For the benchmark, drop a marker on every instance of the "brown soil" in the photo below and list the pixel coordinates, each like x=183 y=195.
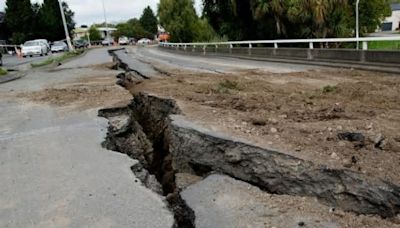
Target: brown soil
x=92 y=92
x=299 y=113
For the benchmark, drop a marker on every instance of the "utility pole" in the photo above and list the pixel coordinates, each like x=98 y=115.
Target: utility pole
x=357 y=23
x=105 y=20
x=71 y=48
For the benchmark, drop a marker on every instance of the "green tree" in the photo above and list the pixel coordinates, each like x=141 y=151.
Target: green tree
x=18 y=19
x=179 y=18
x=293 y=18
x=372 y=13
x=94 y=33
x=149 y=21
x=132 y=28
x=51 y=26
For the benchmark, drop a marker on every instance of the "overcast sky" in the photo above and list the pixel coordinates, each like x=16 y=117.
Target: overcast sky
x=91 y=11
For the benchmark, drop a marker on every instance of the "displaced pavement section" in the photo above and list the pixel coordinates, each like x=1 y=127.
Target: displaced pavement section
x=223 y=202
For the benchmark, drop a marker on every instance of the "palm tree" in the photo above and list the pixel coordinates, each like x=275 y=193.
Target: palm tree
x=277 y=8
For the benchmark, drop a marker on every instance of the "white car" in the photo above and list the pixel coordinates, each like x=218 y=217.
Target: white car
x=45 y=42
x=33 y=47
x=107 y=42
x=59 y=46
x=123 y=40
x=144 y=41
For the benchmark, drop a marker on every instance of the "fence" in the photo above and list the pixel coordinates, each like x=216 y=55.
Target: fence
x=306 y=52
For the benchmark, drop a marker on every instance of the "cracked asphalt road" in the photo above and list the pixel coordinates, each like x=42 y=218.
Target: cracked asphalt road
x=54 y=172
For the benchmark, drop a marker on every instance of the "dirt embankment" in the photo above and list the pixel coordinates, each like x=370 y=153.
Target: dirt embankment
x=300 y=113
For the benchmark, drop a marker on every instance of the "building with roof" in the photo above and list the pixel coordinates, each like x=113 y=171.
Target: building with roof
x=80 y=33
x=392 y=23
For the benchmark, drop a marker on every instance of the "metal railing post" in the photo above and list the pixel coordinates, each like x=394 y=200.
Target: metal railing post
x=250 y=47
x=310 y=50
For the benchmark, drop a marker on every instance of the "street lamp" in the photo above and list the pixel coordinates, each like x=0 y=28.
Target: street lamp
x=105 y=20
x=357 y=23
x=71 y=48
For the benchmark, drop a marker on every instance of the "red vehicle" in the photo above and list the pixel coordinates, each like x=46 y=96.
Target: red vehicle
x=164 y=37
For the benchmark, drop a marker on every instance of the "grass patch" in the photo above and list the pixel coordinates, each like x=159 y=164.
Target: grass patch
x=329 y=89
x=58 y=59
x=3 y=72
x=227 y=85
x=384 y=45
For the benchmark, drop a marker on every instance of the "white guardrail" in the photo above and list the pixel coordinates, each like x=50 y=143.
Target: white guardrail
x=7 y=48
x=250 y=43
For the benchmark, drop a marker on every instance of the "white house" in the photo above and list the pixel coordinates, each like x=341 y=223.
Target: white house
x=392 y=23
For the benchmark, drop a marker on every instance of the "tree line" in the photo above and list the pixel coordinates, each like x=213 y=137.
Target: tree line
x=25 y=21
x=269 y=19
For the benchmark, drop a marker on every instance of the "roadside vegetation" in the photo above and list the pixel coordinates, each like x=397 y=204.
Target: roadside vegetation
x=3 y=72
x=384 y=45
x=59 y=59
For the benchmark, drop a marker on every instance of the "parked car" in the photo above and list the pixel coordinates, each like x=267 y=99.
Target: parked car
x=107 y=42
x=144 y=41
x=123 y=40
x=33 y=47
x=80 y=44
x=46 y=43
x=59 y=46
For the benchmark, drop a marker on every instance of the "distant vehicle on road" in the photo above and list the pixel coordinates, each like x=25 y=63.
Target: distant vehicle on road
x=45 y=42
x=107 y=42
x=33 y=47
x=80 y=44
x=59 y=46
x=132 y=41
x=123 y=40
x=144 y=41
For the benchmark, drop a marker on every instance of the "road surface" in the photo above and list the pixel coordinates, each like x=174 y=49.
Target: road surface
x=54 y=172
x=213 y=64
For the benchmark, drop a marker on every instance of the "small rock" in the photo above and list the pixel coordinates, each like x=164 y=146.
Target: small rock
x=283 y=116
x=277 y=136
x=354 y=160
x=342 y=144
x=334 y=155
x=298 y=149
x=258 y=122
x=270 y=143
x=369 y=126
x=272 y=120
x=380 y=141
x=352 y=137
x=339 y=128
x=347 y=163
x=332 y=209
x=301 y=224
x=274 y=130
x=330 y=129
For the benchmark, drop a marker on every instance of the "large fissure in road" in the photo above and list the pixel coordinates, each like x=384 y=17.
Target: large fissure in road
x=139 y=131
x=152 y=130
